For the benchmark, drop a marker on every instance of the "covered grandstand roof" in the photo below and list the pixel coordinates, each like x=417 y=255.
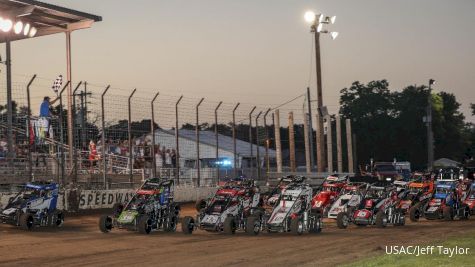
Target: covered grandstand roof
x=243 y=148
x=46 y=18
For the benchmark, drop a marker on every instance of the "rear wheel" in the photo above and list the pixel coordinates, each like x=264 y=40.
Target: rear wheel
x=296 y=226
x=26 y=221
x=188 y=225
x=342 y=220
x=448 y=213
x=415 y=212
x=105 y=223
x=253 y=225
x=381 y=219
x=144 y=225
x=229 y=226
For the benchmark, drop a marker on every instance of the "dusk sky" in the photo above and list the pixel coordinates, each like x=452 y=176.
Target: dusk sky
x=260 y=51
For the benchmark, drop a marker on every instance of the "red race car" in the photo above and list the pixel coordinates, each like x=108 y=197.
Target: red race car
x=331 y=189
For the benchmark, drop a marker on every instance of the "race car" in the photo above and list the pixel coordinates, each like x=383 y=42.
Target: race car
x=292 y=212
x=470 y=200
x=446 y=202
x=227 y=210
x=331 y=188
x=378 y=207
x=151 y=208
x=415 y=199
x=349 y=199
x=34 y=205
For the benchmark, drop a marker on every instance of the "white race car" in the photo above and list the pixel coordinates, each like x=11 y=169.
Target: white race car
x=349 y=199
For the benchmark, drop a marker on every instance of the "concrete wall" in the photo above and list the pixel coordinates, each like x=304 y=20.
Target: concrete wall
x=74 y=200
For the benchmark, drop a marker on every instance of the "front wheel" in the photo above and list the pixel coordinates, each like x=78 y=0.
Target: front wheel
x=253 y=225
x=448 y=213
x=229 y=226
x=342 y=220
x=144 y=225
x=188 y=225
x=465 y=213
x=415 y=212
x=381 y=219
x=58 y=219
x=296 y=226
x=26 y=221
x=105 y=223
x=316 y=226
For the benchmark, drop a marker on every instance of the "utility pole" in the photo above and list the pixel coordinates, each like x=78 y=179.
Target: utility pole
x=292 y=142
x=310 y=128
x=320 y=136
x=430 y=134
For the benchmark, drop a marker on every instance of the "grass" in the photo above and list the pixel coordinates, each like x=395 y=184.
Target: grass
x=434 y=260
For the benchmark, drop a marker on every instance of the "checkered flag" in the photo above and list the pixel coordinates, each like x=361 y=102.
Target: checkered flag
x=57 y=84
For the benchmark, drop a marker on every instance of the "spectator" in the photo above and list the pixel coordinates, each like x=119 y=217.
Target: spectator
x=168 y=159
x=173 y=158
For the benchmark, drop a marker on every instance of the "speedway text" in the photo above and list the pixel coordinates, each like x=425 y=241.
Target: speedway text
x=426 y=250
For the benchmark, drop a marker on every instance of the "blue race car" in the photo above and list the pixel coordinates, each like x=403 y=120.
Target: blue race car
x=34 y=205
x=446 y=203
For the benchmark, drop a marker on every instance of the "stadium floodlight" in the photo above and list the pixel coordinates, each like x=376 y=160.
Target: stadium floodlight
x=26 y=29
x=33 y=32
x=321 y=18
x=18 y=28
x=334 y=35
x=333 y=19
x=6 y=25
x=319 y=27
x=310 y=16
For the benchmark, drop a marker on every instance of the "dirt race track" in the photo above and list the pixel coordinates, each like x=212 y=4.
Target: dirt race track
x=80 y=243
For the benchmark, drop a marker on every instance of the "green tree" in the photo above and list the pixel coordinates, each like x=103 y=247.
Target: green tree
x=371 y=109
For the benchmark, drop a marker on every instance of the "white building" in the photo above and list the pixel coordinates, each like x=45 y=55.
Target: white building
x=188 y=151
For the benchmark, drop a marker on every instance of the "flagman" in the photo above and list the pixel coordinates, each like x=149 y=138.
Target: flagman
x=44 y=108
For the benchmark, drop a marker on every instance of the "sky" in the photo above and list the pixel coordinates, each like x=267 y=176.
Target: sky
x=260 y=51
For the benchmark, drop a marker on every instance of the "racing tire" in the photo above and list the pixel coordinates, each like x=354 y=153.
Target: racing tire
x=253 y=225
x=188 y=225
x=105 y=223
x=316 y=226
x=466 y=213
x=144 y=225
x=58 y=219
x=229 y=225
x=381 y=219
x=415 y=212
x=342 y=220
x=172 y=223
x=26 y=221
x=448 y=213
x=296 y=226
x=200 y=204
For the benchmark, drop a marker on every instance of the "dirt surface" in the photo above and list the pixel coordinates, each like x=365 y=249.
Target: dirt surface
x=80 y=243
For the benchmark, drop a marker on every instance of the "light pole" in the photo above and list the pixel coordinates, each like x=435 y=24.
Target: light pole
x=430 y=134
x=316 y=27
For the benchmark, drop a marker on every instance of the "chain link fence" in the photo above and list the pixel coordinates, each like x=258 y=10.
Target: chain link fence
x=123 y=136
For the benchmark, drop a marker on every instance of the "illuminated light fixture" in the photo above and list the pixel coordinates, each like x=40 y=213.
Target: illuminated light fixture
x=334 y=35
x=6 y=25
x=26 y=30
x=321 y=18
x=18 y=28
x=332 y=20
x=319 y=27
x=32 y=32
x=310 y=16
